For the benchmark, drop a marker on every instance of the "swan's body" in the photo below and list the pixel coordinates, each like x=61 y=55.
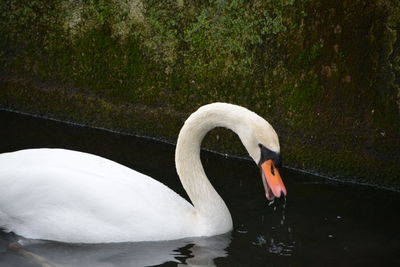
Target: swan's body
x=55 y=194
x=70 y=196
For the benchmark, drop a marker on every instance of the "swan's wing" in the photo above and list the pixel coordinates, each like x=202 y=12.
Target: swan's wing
x=78 y=197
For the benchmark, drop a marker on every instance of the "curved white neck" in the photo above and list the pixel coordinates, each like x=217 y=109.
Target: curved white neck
x=208 y=204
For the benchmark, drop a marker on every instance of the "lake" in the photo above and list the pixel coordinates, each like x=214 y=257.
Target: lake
x=322 y=222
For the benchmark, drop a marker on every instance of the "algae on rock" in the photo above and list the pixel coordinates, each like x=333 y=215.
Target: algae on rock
x=326 y=74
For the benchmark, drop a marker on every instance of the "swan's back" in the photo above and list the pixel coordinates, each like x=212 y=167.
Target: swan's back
x=78 y=197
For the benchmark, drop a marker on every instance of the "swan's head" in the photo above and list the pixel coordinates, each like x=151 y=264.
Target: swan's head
x=262 y=143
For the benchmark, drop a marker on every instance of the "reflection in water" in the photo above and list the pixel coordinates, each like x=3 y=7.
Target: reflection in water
x=192 y=252
x=206 y=250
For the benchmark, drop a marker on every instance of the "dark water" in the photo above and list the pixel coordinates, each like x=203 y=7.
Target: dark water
x=321 y=223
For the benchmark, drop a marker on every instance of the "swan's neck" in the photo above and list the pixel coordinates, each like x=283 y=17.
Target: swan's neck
x=208 y=204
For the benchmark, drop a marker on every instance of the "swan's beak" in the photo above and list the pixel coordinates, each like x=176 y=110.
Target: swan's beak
x=272 y=180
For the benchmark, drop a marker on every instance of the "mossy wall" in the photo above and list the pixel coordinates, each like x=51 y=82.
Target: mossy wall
x=326 y=74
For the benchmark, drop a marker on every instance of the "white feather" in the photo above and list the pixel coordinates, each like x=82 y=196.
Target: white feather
x=70 y=196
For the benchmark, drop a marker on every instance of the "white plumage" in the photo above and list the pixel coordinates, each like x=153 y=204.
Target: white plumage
x=70 y=196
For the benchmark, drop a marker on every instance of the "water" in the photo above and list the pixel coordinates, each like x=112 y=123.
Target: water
x=321 y=223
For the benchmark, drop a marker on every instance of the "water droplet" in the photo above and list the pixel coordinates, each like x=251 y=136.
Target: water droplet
x=242 y=229
x=260 y=240
x=281 y=248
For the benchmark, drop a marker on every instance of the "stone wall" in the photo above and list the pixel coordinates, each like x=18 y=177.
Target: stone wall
x=326 y=74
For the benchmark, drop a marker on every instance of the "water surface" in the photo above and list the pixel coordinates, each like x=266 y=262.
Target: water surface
x=320 y=223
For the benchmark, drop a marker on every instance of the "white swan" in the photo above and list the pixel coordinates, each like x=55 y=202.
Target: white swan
x=70 y=196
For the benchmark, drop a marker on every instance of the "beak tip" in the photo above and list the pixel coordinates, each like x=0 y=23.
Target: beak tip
x=283 y=191
x=279 y=191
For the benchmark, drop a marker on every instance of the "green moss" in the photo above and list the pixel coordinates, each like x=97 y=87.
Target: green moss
x=89 y=110
x=326 y=74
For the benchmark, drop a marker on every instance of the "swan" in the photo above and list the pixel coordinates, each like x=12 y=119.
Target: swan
x=75 y=197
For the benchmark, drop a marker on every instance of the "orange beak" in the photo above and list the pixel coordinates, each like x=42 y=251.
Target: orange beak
x=272 y=180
